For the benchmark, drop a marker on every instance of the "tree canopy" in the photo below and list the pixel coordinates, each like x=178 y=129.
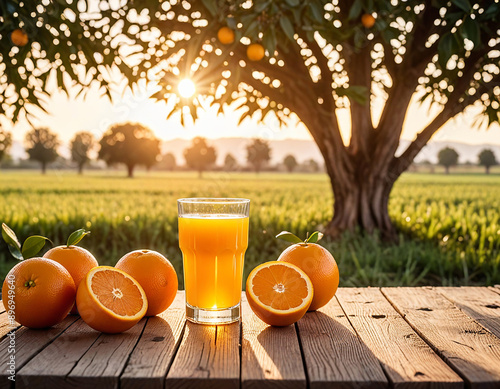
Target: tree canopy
x=131 y=144
x=81 y=145
x=200 y=156
x=41 y=146
x=258 y=154
x=487 y=159
x=5 y=143
x=290 y=163
x=447 y=157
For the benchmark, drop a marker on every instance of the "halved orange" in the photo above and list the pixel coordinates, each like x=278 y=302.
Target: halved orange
x=109 y=300
x=279 y=293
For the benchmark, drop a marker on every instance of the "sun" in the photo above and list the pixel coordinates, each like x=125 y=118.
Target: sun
x=186 y=88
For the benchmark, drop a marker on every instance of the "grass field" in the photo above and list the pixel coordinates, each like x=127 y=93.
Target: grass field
x=450 y=225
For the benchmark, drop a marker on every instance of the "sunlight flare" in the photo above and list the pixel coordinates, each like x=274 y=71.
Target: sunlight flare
x=186 y=88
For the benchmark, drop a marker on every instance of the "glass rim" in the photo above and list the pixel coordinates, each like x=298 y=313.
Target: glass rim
x=213 y=200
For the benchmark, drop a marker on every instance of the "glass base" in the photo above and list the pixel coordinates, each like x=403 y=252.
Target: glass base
x=213 y=316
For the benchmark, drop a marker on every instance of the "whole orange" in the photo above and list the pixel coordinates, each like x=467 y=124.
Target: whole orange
x=40 y=291
x=255 y=52
x=319 y=265
x=225 y=35
x=367 y=20
x=19 y=37
x=76 y=260
x=155 y=274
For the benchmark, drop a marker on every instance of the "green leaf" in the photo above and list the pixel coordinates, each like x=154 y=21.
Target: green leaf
x=269 y=41
x=287 y=27
x=262 y=6
x=462 y=4
x=10 y=237
x=292 y=3
x=471 y=31
x=317 y=12
x=33 y=245
x=355 y=10
x=315 y=236
x=76 y=237
x=289 y=237
x=445 y=48
x=211 y=6
x=357 y=93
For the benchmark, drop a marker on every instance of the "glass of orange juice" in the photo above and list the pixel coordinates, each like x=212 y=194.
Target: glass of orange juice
x=213 y=237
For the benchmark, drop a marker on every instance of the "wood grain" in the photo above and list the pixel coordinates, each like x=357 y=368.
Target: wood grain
x=270 y=356
x=51 y=366
x=468 y=348
x=28 y=343
x=6 y=325
x=208 y=357
x=154 y=353
x=408 y=361
x=104 y=361
x=480 y=303
x=334 y=355
x=2 y=307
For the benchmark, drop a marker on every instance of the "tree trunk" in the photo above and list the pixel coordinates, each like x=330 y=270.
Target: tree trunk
x=200 y=174
x=487 y=169
x=80 y=168
x=130 y=170
x=44 y=167
x=447 y=170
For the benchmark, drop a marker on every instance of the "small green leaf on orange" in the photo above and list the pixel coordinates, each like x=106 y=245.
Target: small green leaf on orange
x=289 y=237
x=76 y=237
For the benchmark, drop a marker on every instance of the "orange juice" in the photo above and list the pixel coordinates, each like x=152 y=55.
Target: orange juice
x=213 y=249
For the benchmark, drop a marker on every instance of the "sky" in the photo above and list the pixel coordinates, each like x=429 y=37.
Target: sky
x=95 y=113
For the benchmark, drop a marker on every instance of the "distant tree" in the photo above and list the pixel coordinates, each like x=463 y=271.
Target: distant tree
x=230 y=163
x=168 y=161
x=290 y=163
x=131 y=144
x=258 y=153
x=41 y=146
x=487 y=159
x=5 y=143
x=81 y=145
x=200 y=156
x=312 y=165
x=447 y=157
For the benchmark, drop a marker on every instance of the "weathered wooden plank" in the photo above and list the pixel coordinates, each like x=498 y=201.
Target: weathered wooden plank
x=495 y=288
x=270 y=356
x=2 y=307
x=207 y=352
x=468 y=348
x=50 y=367
x=154 y=353
x=105 y=360
x=407 y=360
x=28 y=343
x=5 y=324
x=334 y=355
x=480 y=303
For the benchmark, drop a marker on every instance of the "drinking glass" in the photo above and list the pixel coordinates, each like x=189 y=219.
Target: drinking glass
x=213 y=238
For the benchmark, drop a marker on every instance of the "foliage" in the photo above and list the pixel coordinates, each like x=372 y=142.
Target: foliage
x=168 y=161
x=200 y=156
x=131 y=144
x=258 y=153
x=487 y=159
x=290 y=163
x=230 y=163
x=447 y=157
x=81 y=145
x=5 y=143
x=41 y=146
x=449 y=225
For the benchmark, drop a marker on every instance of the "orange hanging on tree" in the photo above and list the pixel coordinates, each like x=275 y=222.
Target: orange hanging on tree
x=368 y=20
x=19 y=37
x=225 y=35
x=255 y=52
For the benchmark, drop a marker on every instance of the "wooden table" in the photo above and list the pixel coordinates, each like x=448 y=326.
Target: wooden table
x=364 y=338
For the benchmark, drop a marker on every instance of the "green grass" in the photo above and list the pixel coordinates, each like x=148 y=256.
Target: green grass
x=450 y=225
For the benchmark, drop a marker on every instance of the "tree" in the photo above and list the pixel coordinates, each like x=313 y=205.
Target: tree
x=81 y=145
x=312 y=165
x=447 y=157
x=168 y=161
x=200 y=156
x=41 y=146
x=230 y=163
x=290 y=163
x=131 y=144
x=487 y=159
x=5 y=143
x=258 y=153
x=319 y=58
